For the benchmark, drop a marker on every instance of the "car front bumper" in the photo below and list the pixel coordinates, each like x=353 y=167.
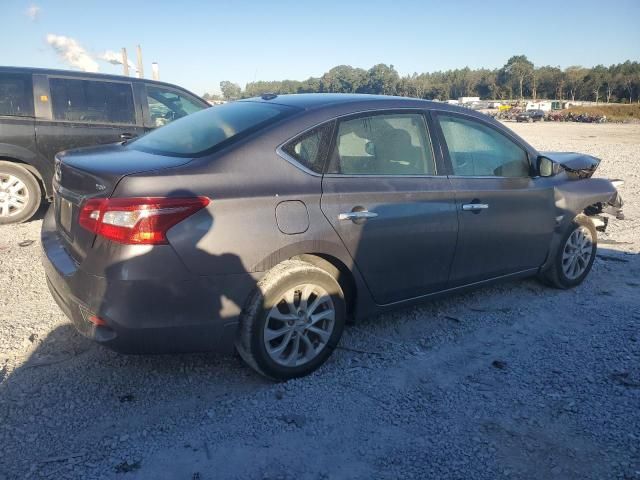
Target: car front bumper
x=145 y=316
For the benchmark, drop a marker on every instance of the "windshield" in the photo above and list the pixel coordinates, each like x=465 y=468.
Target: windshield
x=200 y=132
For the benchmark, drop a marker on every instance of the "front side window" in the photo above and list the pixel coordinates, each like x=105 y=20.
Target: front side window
x=383 y=144
x=92 y=101
x=197 y=134
x=16 y=95
x=478 y=150
x=310 y=148
x=168 y=105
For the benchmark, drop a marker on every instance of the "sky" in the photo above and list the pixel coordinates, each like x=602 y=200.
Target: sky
x=197 y=44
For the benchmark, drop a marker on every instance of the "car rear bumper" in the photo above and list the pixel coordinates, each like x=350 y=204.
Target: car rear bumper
x=146 y=316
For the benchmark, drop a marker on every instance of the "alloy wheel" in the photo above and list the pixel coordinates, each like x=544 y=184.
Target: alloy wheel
x=577 y=253
x=299 y=326
x=14 y=195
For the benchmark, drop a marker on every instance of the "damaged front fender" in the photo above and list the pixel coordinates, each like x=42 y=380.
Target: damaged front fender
x=588 y=196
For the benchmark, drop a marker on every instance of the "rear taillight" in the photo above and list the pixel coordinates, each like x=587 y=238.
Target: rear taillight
x=143 y=220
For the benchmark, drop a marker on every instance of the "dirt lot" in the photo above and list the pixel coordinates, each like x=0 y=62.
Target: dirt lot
x=513 y=381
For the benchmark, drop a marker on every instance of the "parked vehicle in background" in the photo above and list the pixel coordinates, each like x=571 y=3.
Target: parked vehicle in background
x=530 y=116
x=43 y=112
x=265 y=223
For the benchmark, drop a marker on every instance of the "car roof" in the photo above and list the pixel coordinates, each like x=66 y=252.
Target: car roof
x=79 y=73
x=314 y=101
x=309 y=101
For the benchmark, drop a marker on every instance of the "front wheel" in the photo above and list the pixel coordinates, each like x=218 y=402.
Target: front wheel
x=293 y=322
x=575 y=256
x=20 y=193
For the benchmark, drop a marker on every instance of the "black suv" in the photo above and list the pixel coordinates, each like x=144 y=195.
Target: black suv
x=530 y=116
x=43 y=112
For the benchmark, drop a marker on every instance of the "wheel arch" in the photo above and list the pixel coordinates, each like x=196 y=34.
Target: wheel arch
x=339 y=271
x=31 y=167
x=334 y=258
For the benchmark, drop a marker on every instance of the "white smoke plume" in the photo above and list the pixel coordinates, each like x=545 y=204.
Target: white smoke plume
x=115 y=58
x=72 y=52
x=33 y=12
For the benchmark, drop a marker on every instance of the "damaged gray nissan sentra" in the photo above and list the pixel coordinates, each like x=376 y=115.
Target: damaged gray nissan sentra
x=264 y=224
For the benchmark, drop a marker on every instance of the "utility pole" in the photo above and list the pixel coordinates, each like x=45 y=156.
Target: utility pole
x=140 y=71
x=125 y=62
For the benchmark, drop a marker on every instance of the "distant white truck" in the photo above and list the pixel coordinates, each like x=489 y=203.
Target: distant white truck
x=544 y=105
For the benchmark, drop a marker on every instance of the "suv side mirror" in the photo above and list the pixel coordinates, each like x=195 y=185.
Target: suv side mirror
x=547 y=167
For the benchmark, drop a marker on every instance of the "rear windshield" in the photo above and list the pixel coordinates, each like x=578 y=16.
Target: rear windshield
x=201 y=132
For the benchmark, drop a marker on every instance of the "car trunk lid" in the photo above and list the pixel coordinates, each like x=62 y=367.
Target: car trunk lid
x=94 y=173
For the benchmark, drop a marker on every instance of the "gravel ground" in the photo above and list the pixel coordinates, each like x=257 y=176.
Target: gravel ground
x=513 y=381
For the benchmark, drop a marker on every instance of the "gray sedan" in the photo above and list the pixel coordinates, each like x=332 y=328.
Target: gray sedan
x=264 y=225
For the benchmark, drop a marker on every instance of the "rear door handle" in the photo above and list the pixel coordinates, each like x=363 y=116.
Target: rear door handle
x=357 y=215
x=474 y=206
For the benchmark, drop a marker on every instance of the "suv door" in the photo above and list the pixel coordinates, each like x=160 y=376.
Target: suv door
x=17 y=134
x=383 y=196
x=506 y=217
x=165 y=104
x=84 y=112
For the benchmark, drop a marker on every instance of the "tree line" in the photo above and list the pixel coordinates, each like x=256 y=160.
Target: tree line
x=517 y=79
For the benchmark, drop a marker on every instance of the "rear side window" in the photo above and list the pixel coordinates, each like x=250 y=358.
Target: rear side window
x=16 y=95
x=200 y=133
x=384 y=144
x=91 y=101
x=478 y=150
x=311 y=148
x=167 y=105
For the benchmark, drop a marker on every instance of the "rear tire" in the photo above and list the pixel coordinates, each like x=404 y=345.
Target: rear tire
x=293 y=321
x=574 y=258
x=20 y=193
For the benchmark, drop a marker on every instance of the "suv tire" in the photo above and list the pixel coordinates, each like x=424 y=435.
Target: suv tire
x=20 y=193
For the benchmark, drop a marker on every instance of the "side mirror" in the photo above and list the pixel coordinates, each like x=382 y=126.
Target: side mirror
x=547 y=167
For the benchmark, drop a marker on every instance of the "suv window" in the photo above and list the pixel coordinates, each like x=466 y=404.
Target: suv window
x=202 y=132
x=383 y=144
x=16 y=95
x=92 y=101
x=167 y=105
x=310 y=149
x=478 y=150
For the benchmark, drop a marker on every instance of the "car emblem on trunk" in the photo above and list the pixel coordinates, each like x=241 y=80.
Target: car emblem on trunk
x=100 y=187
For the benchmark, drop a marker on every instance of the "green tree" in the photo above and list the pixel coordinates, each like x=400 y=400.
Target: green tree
x=595 y=80
x=230 y=90
x=382 y=79
x=575 y=80
x=344 y=79
x=518 y=68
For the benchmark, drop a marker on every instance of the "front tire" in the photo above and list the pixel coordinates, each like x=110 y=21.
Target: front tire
x=576 y=253
x=293 y=321
x=20 y=193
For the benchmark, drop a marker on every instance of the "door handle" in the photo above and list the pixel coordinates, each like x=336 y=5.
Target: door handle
x=474 y=206
x=357 y=215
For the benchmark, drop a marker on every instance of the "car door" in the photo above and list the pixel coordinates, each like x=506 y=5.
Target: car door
x=505 y=215
x=85 y=112
x=384 y=197
x=165 y=104
x=17 y=134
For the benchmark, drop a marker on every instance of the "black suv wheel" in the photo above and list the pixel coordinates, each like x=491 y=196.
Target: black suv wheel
x=20 y=193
